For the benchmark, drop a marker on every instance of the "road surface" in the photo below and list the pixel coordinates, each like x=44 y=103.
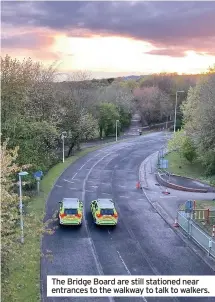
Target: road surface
x=141 y=244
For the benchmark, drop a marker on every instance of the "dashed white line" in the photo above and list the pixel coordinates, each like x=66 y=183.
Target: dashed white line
x=72 y=182
x=74 y=175
x=123 y=262
x=58 y=186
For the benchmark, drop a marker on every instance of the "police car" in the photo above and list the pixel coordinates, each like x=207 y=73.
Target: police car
x=104 y=212
x=70 y=211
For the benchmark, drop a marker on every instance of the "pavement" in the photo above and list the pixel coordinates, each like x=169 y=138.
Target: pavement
x=169 y=203
x=142 y=243
x=187 y=183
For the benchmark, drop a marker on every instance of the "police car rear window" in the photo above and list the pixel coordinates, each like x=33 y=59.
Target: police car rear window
x=107 y=211
x=71 y=211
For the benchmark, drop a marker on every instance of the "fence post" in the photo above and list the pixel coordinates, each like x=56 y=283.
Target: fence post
x=213 y=231
x=208 y=216
x=209 y=246
x=189 y=225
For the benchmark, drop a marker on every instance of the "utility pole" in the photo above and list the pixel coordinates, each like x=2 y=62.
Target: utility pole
x=23 y=173
x=116 y=129
x=63 y=135
x=176 y=102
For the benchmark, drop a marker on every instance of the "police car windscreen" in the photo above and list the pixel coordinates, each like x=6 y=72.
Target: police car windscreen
x=107 y=212
x=71 y=211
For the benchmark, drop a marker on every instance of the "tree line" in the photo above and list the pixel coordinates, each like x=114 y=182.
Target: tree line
x=36 y=109
x=196 y=139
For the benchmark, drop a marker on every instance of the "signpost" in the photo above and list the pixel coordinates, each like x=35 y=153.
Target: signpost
x=163 y=163
x=37 y=176
x=189 y=210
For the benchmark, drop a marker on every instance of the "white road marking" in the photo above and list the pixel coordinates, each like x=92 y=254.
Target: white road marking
x=123 y=262
x=58 y=186
x=74 y=175
x=90 y=191
x=123 y=196
x=73 y=188
x=72 y=182
x=168 y=196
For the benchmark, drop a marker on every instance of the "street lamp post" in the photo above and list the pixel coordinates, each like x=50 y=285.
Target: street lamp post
x=23 y=173
x=116 y=129
x=63 y=135
x=176 y=101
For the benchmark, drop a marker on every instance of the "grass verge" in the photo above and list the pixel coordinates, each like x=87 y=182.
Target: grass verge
x=182 y=167
x=23 y=281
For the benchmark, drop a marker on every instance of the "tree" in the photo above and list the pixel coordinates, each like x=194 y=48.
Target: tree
x=199 y=119
x=188 y=149
x=86 y=128
x=107 y=116
x=153 y=104
x=176 y=143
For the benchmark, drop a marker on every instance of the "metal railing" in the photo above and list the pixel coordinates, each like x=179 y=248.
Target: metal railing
x=193 y=231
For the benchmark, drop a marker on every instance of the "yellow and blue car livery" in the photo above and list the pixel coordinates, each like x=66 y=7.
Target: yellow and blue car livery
x=71 y=211
x=104 y=212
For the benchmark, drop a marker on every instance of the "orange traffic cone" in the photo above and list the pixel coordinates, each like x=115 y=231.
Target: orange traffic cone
x=176 y=225
x=138 y=185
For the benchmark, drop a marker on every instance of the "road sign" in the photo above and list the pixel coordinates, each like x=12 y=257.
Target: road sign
x=63 y=135
x=188 y=206
x=38 y=175
x=163 y=163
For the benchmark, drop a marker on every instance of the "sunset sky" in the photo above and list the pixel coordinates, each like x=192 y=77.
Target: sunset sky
x=112 y=38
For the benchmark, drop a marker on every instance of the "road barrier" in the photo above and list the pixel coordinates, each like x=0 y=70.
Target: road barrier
x=196 y=233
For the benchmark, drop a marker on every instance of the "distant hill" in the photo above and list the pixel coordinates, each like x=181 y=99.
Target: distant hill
x=132 y=77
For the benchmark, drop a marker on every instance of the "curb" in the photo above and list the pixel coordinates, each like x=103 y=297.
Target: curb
x=210 y=188
x=198 y=180
x=177 y=187
x=165 y=216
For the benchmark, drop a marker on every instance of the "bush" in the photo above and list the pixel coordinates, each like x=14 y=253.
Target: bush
x=188 y=150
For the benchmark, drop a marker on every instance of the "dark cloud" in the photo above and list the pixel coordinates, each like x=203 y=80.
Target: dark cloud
x=174 y=27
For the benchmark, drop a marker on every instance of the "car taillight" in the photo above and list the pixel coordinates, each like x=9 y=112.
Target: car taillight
x=62 y=215
x=115 y=215
x=78 y=215
x=98 y=215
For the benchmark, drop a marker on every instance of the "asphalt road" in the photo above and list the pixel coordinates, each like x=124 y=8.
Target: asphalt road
x=141 y=244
